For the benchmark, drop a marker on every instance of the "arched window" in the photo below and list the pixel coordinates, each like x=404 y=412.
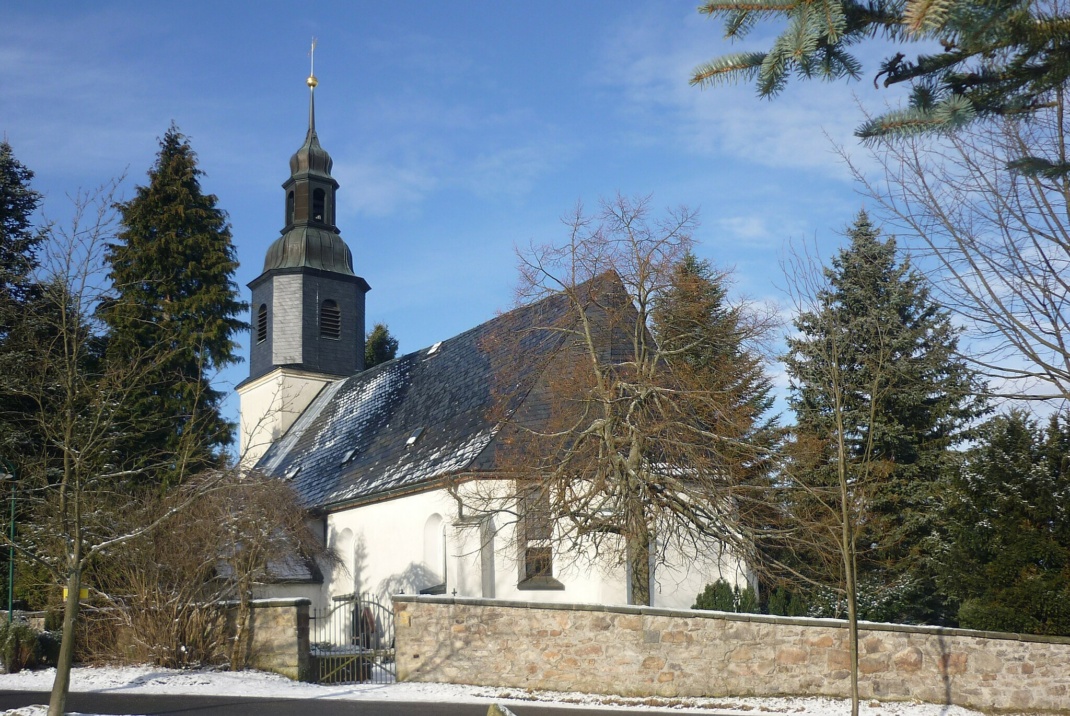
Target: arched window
x=344 y=548
x=434 y=580
x=289 y=208
x=319 y=200
x=330 y=320
x=434 y=546
x=261 y=323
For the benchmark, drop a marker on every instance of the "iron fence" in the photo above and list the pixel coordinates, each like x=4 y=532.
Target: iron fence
x=353 y=641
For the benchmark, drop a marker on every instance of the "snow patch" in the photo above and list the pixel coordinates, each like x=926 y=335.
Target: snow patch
x=152 y=680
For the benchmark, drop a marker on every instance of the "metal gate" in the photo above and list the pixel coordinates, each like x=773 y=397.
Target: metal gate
x=353 y=641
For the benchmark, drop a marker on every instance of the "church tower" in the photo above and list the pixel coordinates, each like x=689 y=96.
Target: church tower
x=307 y=304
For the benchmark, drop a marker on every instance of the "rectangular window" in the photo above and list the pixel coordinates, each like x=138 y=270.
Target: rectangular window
x=535 y=513
x=535 y=527
x=538 y=562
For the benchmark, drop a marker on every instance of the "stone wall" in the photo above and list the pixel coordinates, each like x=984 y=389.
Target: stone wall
x=280 y=640
x=642 y=651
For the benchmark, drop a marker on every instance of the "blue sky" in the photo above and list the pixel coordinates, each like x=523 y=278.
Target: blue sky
x=458 y=131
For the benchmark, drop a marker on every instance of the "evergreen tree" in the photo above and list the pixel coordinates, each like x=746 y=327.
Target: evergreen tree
x=997 y=58
x=18 y=239
x=19 y=242
x=905 y=399
x=379 y=346
x=703 y=335
x=1005 y=555
x=712 y=346
x=174 y=301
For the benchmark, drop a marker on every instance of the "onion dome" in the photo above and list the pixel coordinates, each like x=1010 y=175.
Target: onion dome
x=310 y=247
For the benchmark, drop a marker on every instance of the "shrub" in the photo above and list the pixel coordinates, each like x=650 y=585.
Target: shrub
x=48 y=647
x=22 y=647
x=717 y=596
x=722 y=597
x=785 y=603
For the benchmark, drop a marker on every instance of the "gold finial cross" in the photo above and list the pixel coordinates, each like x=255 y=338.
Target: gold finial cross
x=312 y=82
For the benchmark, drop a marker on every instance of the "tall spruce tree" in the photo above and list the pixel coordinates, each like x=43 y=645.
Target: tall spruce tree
x=19 y=240
x=174 y=301
x=906 y=398
x=703 y=335
x=1004 y=554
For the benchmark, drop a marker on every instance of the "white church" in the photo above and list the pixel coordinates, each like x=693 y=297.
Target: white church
x=372 y=453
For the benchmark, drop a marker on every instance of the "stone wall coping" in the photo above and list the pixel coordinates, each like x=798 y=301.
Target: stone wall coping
x=728 y=616
x=281 y=602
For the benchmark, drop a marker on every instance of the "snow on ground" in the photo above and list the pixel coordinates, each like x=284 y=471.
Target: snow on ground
x=151 y=680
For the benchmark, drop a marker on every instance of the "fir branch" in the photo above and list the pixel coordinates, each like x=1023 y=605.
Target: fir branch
x=921 y=17
x=729 y=68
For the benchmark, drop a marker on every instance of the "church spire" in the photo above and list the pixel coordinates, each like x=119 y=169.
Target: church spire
x=312 y=82
x=310 y=237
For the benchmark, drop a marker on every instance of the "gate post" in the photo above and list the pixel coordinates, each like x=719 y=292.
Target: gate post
x=279 y=636
x=304 y=643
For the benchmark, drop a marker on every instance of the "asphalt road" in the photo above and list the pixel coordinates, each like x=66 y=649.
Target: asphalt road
x=245 y=706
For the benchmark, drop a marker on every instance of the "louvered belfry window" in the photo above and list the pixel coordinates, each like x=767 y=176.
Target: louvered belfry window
x=330 y=320
x=261 y=323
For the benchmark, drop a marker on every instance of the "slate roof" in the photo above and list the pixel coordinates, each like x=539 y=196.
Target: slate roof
x=407 y=424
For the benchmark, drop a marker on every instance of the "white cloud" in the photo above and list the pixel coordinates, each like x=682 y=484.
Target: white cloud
x=746 y=228
x=381 y=188
x=511 y=171
x=649 y=60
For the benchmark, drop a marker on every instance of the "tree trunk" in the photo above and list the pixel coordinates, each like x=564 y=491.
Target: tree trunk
x=57 y=702
x=242 y=625
x=850 y=571
x=639 y=567
x=852 y=620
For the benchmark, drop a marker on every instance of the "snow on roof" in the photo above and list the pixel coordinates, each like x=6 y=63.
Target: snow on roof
x=354 y=442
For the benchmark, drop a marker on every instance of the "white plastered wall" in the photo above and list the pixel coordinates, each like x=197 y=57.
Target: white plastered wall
x=270 y=405
x=392 y=546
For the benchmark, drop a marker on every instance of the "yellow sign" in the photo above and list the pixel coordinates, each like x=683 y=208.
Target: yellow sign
x=83 y=593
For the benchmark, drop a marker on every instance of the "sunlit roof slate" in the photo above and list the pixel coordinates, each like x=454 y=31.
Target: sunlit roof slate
x=353 y=442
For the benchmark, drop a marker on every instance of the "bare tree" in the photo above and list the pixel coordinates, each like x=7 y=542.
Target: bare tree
x=616 y=453
x=77 y=488
x=265 y=536
x=997 y=230
x=831 y=468
x=193 y=606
